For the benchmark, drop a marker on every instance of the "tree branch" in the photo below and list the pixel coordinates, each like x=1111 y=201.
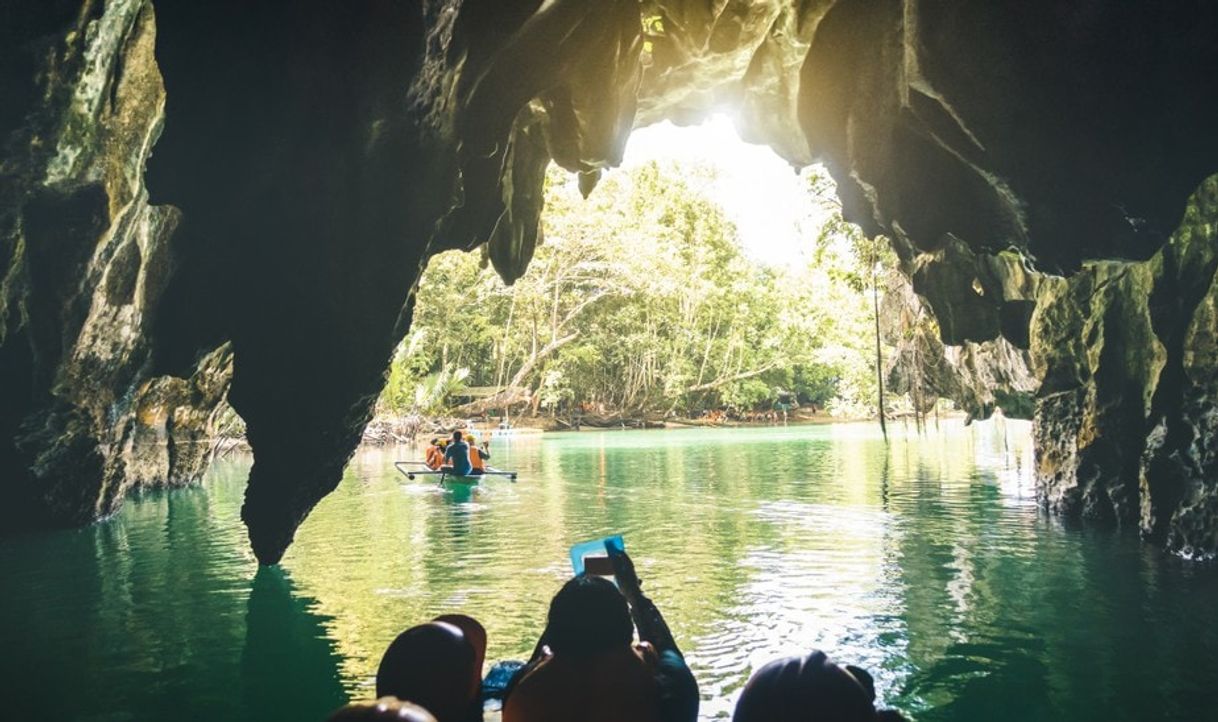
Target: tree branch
x=515 y=392
x=711 y=385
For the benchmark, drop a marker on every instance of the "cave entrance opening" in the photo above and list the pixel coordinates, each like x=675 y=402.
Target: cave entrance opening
x=705 y=280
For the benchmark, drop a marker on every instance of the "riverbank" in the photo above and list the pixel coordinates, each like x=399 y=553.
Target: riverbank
x=410 y=431
x=390 y=430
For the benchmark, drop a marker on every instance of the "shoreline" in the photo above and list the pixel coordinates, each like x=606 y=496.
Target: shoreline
x=385 y=432
x=381 y=431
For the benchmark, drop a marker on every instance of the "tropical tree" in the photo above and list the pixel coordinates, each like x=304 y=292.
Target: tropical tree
x=641 y=301
x=870 y=261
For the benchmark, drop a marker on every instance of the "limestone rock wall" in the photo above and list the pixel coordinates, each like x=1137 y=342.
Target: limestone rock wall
x=1066 y=131
x=978 y=376
x=1125 y=415
x=84 y=260
x=309 y=146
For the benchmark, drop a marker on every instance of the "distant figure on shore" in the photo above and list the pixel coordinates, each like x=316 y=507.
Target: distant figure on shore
x=585 y=666
x=810 y=689
x=435 y=665
x=456 y=456
x=385 y=709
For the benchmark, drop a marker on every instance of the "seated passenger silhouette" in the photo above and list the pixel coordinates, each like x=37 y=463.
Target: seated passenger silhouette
x=456 y=456
x=587 y=668
x=385 y=709
x=810 y=689
x=475 y=634
x=436 y=666
x=434 y=456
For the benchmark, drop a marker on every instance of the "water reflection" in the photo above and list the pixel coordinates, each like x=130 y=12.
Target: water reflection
x=919 y=559
x=288 y=666
x=925 y=559
x=158 y=614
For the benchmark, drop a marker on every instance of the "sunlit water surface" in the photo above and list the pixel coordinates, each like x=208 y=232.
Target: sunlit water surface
x=927 y=562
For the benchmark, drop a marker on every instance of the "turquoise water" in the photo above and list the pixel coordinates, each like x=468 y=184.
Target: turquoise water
x=926 y=561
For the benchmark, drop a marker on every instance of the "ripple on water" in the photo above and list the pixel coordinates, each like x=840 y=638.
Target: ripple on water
x=925 y=560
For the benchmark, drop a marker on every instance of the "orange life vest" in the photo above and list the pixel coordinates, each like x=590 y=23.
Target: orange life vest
x=475 y=459
x=434 y=458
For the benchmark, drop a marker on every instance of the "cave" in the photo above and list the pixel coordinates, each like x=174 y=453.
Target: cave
x=193 y=191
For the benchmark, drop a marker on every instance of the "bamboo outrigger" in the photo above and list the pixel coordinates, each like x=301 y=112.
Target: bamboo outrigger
x=445 y=475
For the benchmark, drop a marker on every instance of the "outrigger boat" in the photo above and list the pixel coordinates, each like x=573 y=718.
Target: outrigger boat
x=447 y=476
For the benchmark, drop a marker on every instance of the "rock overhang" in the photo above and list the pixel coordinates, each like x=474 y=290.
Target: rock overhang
x=319 y=152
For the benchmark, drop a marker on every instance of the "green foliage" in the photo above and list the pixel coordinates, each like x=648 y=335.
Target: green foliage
x=411 y=389
x=641 y=299
x=431 y=393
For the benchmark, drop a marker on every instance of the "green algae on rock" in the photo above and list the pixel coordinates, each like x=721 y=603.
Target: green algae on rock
x=85 y=261
x=1126 y=409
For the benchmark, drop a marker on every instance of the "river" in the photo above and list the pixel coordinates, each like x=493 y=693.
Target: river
x=926 y=561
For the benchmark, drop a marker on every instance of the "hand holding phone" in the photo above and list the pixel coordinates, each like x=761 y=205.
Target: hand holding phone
x=623 y=572
x=593 y=557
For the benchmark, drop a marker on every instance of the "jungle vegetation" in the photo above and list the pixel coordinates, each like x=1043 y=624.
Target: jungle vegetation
x=642 y=301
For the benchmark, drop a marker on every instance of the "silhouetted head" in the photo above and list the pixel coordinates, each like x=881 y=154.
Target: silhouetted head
x=475 y=634
x=385 y=709
x=589 y=616
x=809 y=689
x=456 y=436
x=430 y=665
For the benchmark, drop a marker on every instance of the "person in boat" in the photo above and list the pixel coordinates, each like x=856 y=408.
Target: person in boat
x=477 y=456
x=437 y=666
x=585 y=666
x=795 y=689
x=434 y=457
x=456 y=457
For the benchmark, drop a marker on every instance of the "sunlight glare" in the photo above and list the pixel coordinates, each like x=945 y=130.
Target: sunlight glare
x=775 y=214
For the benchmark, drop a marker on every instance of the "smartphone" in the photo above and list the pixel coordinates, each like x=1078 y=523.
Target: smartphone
x=600 y=566
x=592 y=557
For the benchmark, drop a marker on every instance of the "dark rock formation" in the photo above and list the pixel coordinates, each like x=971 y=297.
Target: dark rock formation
x=979 y=376
x=84 y=261
x=309 y=186
x=1126 y=411
x=318 y=152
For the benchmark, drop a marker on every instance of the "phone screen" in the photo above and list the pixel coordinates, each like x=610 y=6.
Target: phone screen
x=600 y=566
